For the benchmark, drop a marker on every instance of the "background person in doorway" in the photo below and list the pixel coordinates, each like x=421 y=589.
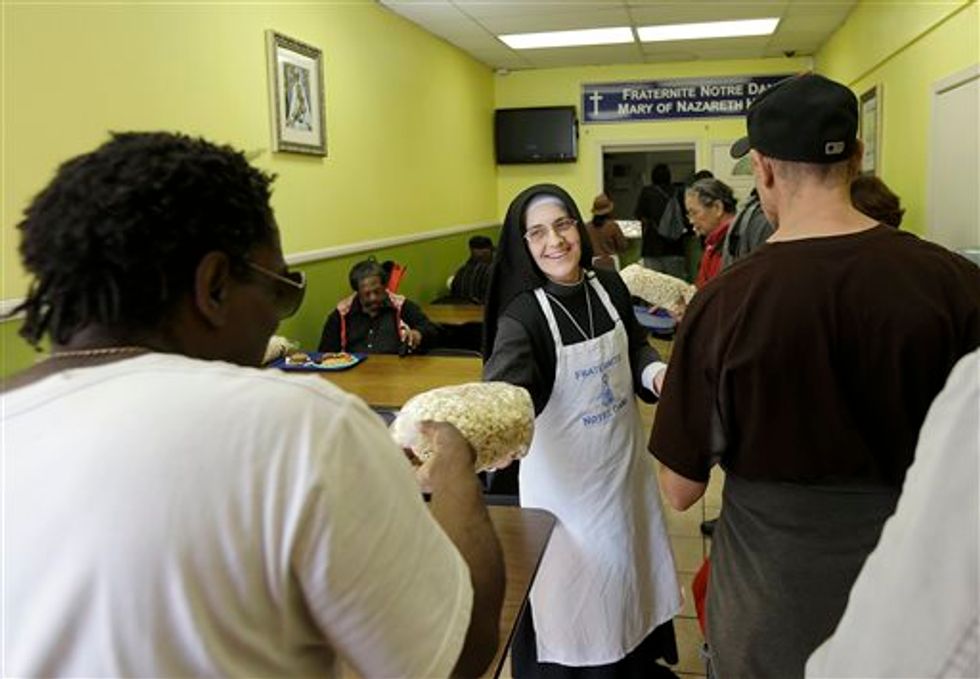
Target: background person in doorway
x=606 y=590
x=608 y=241
x=659 y=253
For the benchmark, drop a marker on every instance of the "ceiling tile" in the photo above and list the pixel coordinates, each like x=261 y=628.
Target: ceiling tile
x=498 y=8
x=470 y=43
x=501 y=58
x=699 y=46
x=838 y=9
x=695 y=12
x=471 y=24
x=814 y=25
x=670 y=55
x=425 y=11
x=583 y=56
x=564 y=21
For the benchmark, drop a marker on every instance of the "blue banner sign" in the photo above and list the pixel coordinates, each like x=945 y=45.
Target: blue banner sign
x=671 y=99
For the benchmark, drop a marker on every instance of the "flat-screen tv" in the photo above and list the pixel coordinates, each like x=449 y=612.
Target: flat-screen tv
x=546 y=134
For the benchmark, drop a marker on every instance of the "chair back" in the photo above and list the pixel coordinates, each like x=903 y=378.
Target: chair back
x=396 y=272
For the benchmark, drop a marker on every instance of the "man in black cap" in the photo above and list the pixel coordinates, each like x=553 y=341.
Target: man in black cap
x=806 y=372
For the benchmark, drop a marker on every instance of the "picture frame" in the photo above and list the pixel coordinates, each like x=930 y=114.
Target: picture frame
x=296 y=95
x=737 y=173
x=869 y=130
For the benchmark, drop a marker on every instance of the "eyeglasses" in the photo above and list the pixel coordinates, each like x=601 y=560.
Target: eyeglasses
x=289 y=289
x=538 y=233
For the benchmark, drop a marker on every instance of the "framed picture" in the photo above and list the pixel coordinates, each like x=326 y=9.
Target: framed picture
x=870 y=130
x=736 y=173
x=295 y=72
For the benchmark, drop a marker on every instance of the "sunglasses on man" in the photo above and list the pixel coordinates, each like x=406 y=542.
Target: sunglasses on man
x=288 y=289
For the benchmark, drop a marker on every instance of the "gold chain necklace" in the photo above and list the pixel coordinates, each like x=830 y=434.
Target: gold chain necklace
x=92 y=353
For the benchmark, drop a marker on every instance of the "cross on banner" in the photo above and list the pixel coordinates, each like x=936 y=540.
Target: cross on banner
x=595 y=98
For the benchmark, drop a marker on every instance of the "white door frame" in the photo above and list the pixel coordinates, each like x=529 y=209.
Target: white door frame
x=643 y=146
x=940 y=87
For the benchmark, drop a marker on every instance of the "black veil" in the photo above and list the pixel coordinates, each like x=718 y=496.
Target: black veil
x=514 y=270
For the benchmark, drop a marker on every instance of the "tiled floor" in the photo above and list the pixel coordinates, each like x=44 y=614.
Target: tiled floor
x=690 y=549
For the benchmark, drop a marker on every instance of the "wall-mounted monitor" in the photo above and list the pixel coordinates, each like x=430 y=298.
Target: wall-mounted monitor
x=536 y=135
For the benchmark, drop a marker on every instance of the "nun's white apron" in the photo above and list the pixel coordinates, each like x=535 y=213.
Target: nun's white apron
x=607 y=577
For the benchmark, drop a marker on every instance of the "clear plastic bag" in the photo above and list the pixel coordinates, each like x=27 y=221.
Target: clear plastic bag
x=658 y=289
x=495 y=417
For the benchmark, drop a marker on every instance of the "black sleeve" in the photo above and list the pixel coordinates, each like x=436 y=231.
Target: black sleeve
x=512 y=361
x=330 y=337
x=641 y=352
x=412 y=314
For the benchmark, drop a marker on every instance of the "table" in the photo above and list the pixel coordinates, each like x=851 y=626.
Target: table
x=388 y=381
x=523 y=533
x=453 y=314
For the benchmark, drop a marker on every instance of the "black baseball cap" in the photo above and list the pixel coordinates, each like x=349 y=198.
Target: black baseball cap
x=807 y=119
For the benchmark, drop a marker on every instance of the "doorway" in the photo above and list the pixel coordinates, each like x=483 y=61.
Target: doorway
x=626 y=170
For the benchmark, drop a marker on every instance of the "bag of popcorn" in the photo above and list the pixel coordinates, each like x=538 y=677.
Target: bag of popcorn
x=657 y=289
x=495 y=417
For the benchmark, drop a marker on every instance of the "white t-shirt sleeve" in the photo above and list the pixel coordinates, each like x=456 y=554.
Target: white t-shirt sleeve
x=382 y=580
x=913 y=609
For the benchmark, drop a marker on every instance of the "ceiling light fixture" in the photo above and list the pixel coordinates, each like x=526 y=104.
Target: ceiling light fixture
x=711 y=29
x=591 y=36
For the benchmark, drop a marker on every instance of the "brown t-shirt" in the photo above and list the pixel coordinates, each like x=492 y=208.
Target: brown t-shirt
x=815 y=361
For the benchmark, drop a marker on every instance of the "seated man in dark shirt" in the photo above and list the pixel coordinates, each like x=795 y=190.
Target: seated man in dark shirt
x=472 y=279
x=374 y=320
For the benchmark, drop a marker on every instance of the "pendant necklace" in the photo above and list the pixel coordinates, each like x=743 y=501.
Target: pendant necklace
x=588 y=306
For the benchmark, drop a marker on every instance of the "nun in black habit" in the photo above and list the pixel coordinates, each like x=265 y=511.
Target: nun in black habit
x=606 y=590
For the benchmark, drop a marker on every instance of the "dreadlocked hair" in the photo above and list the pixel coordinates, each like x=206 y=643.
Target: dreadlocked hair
x=117 y=235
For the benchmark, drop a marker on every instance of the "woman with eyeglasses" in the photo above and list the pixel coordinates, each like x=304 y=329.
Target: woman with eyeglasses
x=710 y=207
x=606 y=589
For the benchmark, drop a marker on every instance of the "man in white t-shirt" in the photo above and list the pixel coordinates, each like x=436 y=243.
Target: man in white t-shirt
x=170 y=512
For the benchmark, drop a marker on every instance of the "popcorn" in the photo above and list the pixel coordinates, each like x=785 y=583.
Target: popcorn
x=495 y=417
x=658 y=289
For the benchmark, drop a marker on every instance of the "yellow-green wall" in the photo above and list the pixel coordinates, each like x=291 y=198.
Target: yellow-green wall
x=409 y=121
x=425 y=279
x=563 y=86
x=905 y=48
